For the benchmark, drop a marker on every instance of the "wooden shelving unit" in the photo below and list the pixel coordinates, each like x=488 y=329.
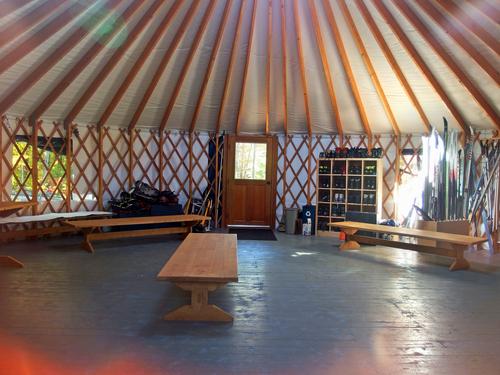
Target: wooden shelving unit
x=352 y=184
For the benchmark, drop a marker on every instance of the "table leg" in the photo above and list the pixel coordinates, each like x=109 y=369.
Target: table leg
x=199 y=309
x=349 y=244
x=10 y=261
x=460 y=263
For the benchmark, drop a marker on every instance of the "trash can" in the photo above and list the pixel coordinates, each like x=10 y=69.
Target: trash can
x=290 y=219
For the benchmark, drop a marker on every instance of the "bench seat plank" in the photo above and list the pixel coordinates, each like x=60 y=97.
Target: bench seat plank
x=449 y=244
x=136 y=221
x=458 y=239
x=201 y=264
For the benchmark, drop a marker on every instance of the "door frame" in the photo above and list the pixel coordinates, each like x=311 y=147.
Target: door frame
x=273 y=171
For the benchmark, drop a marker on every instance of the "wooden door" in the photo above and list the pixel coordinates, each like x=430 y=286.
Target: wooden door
x=250 y=177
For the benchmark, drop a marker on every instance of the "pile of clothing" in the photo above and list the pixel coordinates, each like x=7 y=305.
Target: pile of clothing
x=141 y=197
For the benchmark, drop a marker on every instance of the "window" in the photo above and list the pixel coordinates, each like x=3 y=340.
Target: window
x=250 y=161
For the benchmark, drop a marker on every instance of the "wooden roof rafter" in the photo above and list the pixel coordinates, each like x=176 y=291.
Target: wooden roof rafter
x=245 y=69
x=15 y=28
x=283 y=65
x=164 y=62
x=470 y=23
x=488 y=10
x=392 y=61
x=369 y=66
x=326 y=67
x=193 y=48
x=33 y=41
x=398 y=31
x=456 y=33
x=449 y=60
x=85 y=60
x=231 y=63
x=269 y=62
x=211 y=63
x=25 y=83
x=300 y=53
x=158 y=33
x=347 y=67
x=9 y=6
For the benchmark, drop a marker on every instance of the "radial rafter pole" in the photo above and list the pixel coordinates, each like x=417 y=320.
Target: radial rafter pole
x=392 y=61
x=347 y=68
x=33 y=41
x=86 y=59
x=369 y=66
x=164 y=62
x=9 y=6
x=449 y=60
x=211 y=63
x=25 y=83
x=268 y=66
x=470 y=23
x=192 y=50
x=16 y=27
x=326 y=67
x=230 y=67
x=301 y=66
x=152 y=42
x=283 y=65
x=456 y=33
x=245 y=69
x=398 y=31
x=488 y=10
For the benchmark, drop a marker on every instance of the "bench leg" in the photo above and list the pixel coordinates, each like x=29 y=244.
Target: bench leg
x=460 y=263
x=199 y=309
x=10 y=261
x=86 y=245
x=349 y=244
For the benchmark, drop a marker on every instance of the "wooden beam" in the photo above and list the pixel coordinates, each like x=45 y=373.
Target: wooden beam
x=470 y=23
x=489 y=10
x=152 y=42
x=369 y=66
x=211 y=63
x=164 y=62
x=347 y=67
x=326 y=67
x=283 y=67
x=394 y=64
x=131 y=162
x=269 y=62
x=230 y=67
x=401 y=35
x=69 y=162
x=33 y=41
x=25 y=83
x=10 y=6
x=296 y=16
x=35 y=127
x=449 y=60
x=187 y=63
x=117 y=55
x=457 y=34
x=100 y=168
x=86 y=59
x=18 y=26
x=245 y=71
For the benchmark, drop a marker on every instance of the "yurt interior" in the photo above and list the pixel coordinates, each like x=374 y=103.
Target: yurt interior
x=276 y=187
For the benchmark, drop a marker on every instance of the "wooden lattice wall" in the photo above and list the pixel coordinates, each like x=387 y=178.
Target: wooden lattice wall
x=105 y=161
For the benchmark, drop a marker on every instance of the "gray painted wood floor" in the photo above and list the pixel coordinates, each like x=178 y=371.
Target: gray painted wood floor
x=300 y=307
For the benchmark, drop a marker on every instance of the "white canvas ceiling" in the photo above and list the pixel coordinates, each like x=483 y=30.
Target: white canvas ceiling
x=28 y=80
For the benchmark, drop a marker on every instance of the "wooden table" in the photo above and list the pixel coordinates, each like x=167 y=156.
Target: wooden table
x=201 y=264
x=92 y=228
x=448 y=244
x=7 y=209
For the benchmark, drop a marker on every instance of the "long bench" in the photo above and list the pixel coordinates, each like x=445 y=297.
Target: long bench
x=92 y=229
x=201 y=264
x=448 y=244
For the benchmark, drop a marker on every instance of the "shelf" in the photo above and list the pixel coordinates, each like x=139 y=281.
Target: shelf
x=337 y=202
x=354 y=189
x=337 y=217
x=356 y=204
x=337 y=175
x=370 y=190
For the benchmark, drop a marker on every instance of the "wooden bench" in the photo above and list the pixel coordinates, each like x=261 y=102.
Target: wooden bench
x=201 y=264
x=92 y=228
x=7 y=209
x=448 y=244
